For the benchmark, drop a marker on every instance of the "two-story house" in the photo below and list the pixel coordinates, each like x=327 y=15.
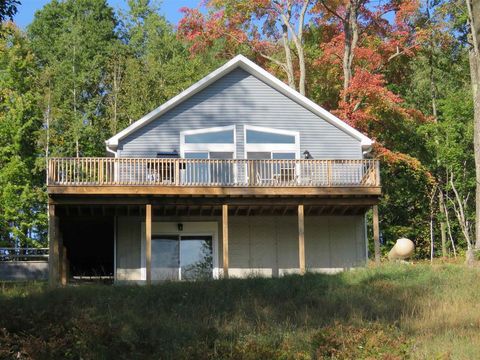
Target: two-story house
x=237 y=175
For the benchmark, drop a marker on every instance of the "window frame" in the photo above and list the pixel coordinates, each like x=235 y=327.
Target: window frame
x=208 y=147
x=272 y=147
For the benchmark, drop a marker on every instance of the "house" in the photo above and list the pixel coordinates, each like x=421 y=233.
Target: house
x=237 y=175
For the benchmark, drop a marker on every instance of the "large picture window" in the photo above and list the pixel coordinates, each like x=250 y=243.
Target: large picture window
x=215 y=137
x=210 y=143
x=208 y=140
x=269 y=143
x=264 y=137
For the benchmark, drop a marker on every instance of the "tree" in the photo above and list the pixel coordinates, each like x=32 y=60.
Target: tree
x=149 y=66
x=457 y=158
x=22 y=197
x=473 y=8
x=264 y=26
x=73 y=41
x=8 y=8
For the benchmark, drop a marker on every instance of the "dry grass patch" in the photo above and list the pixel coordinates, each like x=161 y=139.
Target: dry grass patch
x=391 y=312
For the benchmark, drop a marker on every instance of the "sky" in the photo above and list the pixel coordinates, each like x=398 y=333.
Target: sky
x=170 y=8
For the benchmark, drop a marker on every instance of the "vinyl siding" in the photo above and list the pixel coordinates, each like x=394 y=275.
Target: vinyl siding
x=261 y=245
x=128 y=248
x=239 y=98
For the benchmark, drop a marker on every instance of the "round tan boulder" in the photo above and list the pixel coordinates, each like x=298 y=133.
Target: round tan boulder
x=402 y=249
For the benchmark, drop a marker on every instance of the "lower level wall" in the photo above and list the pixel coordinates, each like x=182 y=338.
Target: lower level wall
x=260 y=245
x=23 y=270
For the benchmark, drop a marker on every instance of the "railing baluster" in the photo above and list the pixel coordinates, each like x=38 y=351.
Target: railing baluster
x=212 y=172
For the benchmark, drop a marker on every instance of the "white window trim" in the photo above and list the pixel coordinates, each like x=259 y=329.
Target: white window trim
x=215 y=147
x=272 y=148
x=203 y=228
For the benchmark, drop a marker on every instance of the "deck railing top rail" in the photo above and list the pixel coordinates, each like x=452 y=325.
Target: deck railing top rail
x=211 y=172
x=23 y=254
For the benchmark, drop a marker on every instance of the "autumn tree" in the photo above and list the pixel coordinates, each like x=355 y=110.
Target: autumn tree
x=271 y=29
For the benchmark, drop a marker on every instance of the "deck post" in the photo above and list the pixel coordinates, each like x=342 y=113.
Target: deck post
x=376 y=234
x=54 y=247
x=301 y=239
x=225 y=239
x=64 y=266
x=148 y=242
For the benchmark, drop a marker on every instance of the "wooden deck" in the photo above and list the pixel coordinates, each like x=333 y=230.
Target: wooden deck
x=148 y=188
x=194 y=177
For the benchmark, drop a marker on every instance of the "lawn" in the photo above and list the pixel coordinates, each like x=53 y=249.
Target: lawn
x=390 y=312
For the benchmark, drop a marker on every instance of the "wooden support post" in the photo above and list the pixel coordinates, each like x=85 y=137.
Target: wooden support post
x=301 y=239
x=64 y=266
x=225 y=240
x=54 y=247
x=376 y=235
x=148 y=242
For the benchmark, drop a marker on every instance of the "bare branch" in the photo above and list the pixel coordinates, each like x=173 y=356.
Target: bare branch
x=301 y=19
x=333 y=12
x=278 y=62
x=459 y=209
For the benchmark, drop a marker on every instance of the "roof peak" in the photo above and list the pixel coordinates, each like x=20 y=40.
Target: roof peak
x=255 y=70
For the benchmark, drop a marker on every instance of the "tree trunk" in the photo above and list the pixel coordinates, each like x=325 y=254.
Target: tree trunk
x=433 y=96
x=447 y=219
x=297 y=40
x=77 y=130
x=288 y=58
x=474 y=20
x=470 y=257
x=350 y=29
x=475 y=76
x=47 y=135
x=300 y=48
x=443 y=226
x=301 y=62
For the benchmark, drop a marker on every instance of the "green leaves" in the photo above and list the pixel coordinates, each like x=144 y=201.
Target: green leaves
x=73 y=41
x=22 y=197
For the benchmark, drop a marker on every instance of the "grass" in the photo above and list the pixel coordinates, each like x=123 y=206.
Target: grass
x=391 y=312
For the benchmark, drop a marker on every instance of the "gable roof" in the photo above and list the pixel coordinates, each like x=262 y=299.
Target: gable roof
x=255 y=70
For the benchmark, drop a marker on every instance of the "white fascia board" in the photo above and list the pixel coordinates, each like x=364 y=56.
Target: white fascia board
x=262 y=74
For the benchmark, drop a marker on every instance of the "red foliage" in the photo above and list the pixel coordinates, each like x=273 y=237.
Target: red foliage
x=387 y=37
x=394 y=157
x=367 y=97
x=201 y=32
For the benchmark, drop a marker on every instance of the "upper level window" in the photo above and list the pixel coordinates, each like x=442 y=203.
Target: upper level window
x=210 y=137
x=264 y=137
x=272 y=143
x=208 y=140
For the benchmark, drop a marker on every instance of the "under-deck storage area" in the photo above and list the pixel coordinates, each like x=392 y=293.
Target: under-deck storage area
x=89 y=244
x=258 y=245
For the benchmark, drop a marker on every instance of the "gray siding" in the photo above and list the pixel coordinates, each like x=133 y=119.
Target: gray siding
x=262 y=245
x=240 y=98
x=128 y=248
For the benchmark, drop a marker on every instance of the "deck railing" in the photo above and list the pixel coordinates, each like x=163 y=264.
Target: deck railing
x=23 y=254
x=212 y=172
